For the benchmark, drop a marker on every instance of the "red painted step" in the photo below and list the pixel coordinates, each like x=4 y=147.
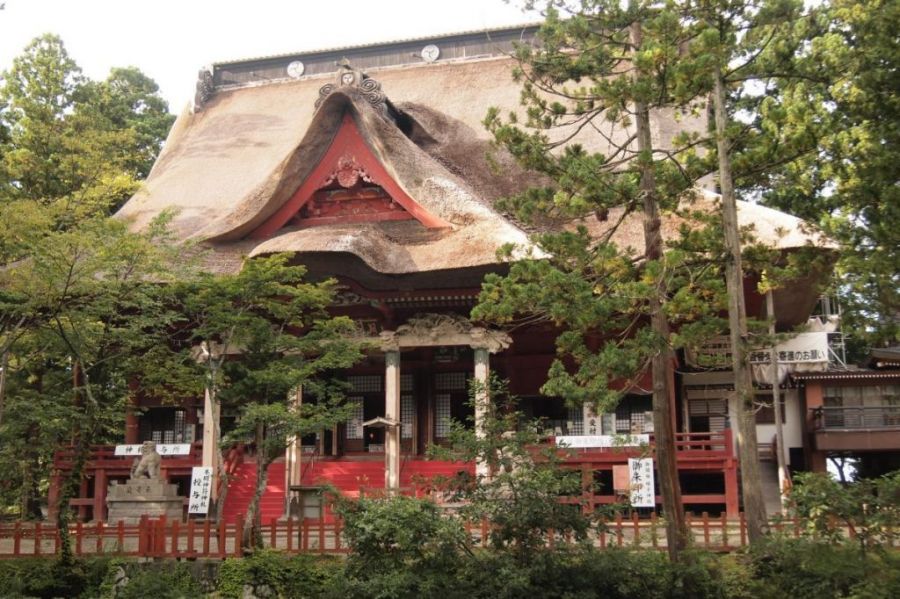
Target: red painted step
x=242 y=486
x=350 y=476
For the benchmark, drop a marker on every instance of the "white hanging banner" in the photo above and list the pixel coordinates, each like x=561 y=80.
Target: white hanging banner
x=601 y=441
x=162 y=449
x=641 y=482
x=201 y=490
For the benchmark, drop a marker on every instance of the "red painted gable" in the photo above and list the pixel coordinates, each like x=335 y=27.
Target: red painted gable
x=348 y=185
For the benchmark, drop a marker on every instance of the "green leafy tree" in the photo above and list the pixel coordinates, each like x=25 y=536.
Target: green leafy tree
x=868 y=508
x=72 y=141
x=97 y=319
x=734 y=36
x=264 y=333
x=402 y=547
x=522 y=497
x=840 y=117
x=81 y=298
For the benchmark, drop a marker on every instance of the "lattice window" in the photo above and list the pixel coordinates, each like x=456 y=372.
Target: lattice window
x=407 y=415
x=576 y=421
x=368 y=383
x=406 y=383
x=637 y=422
x=450 y=381
x=355 y=422
x=441 y=415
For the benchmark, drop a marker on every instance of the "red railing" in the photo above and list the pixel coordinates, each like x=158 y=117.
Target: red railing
x=204 y=538
x=103 y=464
x=715 y=445
x=697 y=453
x=104 y=457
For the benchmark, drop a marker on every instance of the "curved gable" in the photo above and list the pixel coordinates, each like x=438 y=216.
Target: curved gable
x=349 y=184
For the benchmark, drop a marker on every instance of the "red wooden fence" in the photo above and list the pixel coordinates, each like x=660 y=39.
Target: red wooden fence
x=203 y=538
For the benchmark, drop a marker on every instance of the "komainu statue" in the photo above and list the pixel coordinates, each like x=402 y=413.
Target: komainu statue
x=148 y=465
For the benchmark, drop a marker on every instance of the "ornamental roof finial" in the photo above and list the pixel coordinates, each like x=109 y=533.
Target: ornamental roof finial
x=347 y=77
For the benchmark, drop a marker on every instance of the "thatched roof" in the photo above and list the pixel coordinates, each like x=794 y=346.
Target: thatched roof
x=763 y=225
x=228 y=167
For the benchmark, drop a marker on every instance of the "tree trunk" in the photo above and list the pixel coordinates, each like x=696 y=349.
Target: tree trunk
x=253 y=529
x=4 y=365
x=670 y=488
x=82 y=438
x=742 y=405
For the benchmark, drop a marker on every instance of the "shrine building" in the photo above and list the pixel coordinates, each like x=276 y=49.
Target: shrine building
x=368 y=165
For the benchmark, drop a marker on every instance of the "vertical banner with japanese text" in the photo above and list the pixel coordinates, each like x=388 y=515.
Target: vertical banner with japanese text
x=641 y=487
x=201 y=490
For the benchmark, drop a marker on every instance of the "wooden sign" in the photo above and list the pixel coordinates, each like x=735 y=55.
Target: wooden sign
x=641 y=482
x=201 y=490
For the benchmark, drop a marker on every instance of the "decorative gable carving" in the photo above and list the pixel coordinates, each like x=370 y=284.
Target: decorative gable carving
x=347 y=173
x=349 y=194
x=346 y=77
x=348 y=185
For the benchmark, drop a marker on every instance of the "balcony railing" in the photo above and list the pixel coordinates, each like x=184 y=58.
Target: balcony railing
x=856 y=418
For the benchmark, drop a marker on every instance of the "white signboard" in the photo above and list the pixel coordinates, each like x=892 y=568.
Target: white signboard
x=801 y=349
x=587 y=441
x=161 y=449
x=201 y=490
x=641 y=483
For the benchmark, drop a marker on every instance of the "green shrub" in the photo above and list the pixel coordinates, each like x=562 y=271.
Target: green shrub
x=49 y=578
x=810 y=569
x=284 y=575
x=159 y=580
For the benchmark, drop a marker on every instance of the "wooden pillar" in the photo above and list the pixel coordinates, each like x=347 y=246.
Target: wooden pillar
x=392 y=413
x=211 y=439
x=482 y=376
x=732 y=505
x=814 y=397
x=82 y=493
x=293 y=454
x=132 y=424
x=782 y=456
x=100 y=495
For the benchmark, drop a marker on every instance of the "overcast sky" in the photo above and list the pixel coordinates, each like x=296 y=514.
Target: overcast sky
x=170 y=40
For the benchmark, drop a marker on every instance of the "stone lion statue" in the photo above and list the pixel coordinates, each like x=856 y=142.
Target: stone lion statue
x=148 y=465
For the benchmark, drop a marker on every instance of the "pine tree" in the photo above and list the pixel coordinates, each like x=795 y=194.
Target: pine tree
x=601 y=67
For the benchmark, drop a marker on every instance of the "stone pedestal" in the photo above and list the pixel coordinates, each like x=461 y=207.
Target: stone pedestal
x=138 y=497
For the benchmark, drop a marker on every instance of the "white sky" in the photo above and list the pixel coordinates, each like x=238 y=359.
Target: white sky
x=170 y=40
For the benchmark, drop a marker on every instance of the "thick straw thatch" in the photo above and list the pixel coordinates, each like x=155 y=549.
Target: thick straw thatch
x=228 y=168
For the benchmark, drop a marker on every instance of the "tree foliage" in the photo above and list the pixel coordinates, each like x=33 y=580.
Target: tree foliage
x=868 y=508
x=69 y=140
x=836 y=118
x=86 y=315
x=589 y=88
x=82 y=306
x=521 y=495
x=265 y=333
